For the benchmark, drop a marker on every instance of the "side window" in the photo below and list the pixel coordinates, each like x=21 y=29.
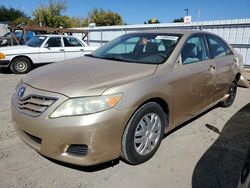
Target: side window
x=71 y=42
x=54 y=42
x=194 y=50
x=218 y=47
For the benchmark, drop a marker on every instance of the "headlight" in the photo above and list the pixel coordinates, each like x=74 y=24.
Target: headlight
x=86 y=105
x=2 y=55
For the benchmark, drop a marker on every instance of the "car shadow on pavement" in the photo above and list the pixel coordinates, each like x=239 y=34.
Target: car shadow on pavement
x=8 y=71
x=221 y=164
x=5 y=71
x=190 y=121
x=94 y=168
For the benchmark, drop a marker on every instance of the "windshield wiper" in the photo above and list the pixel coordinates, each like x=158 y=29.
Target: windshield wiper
x=118 y=59
x=89 y=55
x=113 y=58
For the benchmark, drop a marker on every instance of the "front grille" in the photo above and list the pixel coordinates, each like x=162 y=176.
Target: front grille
x=34 y=138
x=77 y=149
x=34 y=105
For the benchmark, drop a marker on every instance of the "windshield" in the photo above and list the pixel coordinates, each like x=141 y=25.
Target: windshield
x=36 y=41
x=139 y=48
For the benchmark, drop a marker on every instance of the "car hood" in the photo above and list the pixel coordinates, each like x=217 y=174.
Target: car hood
x=92 y=48
x=86 y=76
x=16 y=49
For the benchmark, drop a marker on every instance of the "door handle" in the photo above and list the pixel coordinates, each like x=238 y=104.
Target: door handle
x=62 y=50
x=82 y=50
x=211 y=68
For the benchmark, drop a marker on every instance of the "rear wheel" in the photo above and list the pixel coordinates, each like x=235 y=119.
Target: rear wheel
x=232 y=94
x=20 y=65
x=143 y=134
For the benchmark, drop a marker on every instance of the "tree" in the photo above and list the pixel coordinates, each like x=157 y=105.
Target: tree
x=51 y=15
x=153 y=21
x=74 y=22
x=103 y=17
x=10 y=14
x=178 y=20
x=22 y=21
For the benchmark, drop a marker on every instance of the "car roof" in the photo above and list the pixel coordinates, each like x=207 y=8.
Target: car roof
x=54 y=35
x=173 y=31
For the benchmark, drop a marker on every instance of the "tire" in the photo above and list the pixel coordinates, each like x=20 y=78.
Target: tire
x=143 y=134
x=232 y=94
x=20 y=65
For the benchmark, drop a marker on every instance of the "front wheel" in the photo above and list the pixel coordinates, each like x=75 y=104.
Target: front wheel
x=20 y=65
x=232 y=94
x=143 y=134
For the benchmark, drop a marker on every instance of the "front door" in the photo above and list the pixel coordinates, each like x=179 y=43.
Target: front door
x=52 y=51
x=73 y=48
x=195 y=79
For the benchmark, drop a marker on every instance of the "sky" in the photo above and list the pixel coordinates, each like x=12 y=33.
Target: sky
x=137 y=12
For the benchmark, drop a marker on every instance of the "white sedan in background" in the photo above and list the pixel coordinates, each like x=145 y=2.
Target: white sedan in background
x=42 y=49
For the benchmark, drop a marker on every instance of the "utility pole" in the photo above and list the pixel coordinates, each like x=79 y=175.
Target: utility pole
x=199 y=14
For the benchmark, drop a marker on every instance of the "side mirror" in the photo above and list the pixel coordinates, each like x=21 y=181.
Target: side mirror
x=178 y=61
x=47 y=46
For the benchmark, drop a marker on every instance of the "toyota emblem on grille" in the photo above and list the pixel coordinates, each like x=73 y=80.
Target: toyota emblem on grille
x=21 y=91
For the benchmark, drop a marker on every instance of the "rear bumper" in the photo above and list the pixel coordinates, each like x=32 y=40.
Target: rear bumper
x=243 y=82
x=4 y=63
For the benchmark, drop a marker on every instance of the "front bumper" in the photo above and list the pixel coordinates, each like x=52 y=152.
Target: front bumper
x=101 y=132
x=4 y=63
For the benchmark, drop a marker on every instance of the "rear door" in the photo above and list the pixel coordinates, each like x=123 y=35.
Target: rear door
x=225 y=63
x=73 y=47
x=194 y=79
x=52 y=50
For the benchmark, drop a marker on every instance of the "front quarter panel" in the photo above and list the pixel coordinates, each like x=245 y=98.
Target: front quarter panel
x=138 y=92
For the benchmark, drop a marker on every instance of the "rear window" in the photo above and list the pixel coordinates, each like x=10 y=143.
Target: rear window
x=71 y=42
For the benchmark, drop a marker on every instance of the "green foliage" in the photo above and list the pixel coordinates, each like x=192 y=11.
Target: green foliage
x=74 y=22
x=51 y=15
x=103 y=17
x=22 y=21
x=153 y=21
x=178 y=20
x=10 y=14
x=86 y=21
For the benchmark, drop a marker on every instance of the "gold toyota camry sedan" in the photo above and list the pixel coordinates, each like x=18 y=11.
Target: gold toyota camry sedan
x=121 y=99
